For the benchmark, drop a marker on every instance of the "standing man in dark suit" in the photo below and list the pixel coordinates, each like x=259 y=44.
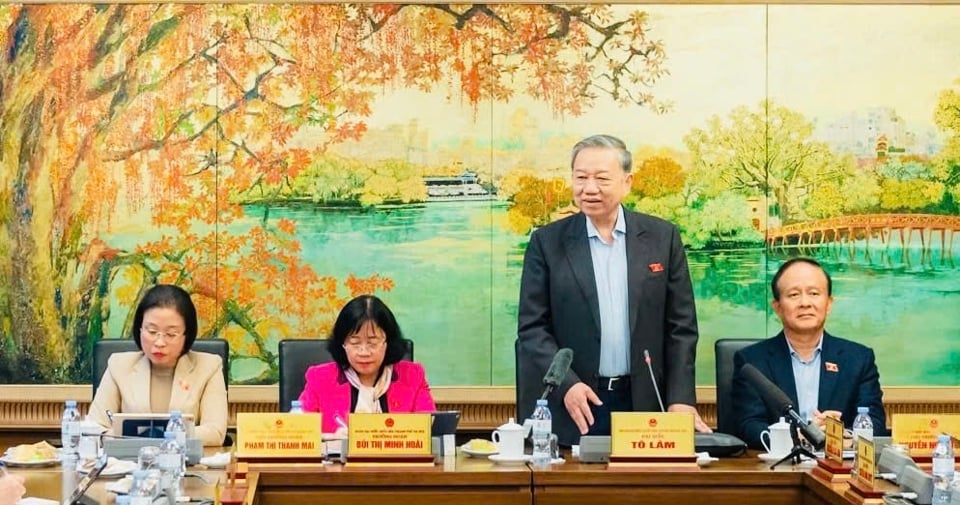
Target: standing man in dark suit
x=609 y=284
x=823 y=375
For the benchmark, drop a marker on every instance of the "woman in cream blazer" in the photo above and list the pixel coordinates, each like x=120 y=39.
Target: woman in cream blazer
x=165 y=375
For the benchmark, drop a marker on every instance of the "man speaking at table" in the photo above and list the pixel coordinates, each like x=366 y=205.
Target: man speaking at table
x=612 y=285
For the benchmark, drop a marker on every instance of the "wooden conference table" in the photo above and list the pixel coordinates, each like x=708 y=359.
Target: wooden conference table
x=467 y=481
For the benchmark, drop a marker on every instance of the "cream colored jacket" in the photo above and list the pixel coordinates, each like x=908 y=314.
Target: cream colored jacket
x=198 y=389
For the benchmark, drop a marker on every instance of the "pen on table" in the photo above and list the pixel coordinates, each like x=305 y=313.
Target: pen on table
x=110 y=416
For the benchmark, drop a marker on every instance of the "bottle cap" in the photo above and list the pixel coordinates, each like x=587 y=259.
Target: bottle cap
x=71 y=403
x=541 y=401
x=863 y=410
x=943 y=438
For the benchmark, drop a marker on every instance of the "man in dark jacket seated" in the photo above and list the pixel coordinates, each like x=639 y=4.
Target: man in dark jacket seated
x=823 y=375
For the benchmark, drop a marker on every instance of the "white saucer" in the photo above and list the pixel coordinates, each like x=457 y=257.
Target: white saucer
x=773 y=458
x=503 y=460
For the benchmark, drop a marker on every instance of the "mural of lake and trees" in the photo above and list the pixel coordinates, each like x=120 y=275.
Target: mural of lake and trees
x=277 y=160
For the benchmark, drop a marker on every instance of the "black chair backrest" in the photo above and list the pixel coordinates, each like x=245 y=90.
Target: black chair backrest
x=296 y=356
x=724 y=349
x=102 y=350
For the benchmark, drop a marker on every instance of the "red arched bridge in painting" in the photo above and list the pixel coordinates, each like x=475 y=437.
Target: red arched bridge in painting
x=866 y=226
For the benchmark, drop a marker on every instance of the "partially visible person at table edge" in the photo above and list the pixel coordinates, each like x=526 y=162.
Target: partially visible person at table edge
x=368 y=373
x=11 y=488
x=165 y=375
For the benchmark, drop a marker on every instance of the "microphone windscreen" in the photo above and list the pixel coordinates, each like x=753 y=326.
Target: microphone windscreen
x=813 y=434
x=558 y=367
x=773 y=396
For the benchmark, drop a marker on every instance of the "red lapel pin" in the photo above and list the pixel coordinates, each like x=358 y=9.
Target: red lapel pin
x=656 y=267
x=831 y=367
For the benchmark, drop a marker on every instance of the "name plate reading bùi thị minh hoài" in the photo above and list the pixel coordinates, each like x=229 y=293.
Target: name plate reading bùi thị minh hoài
x=389 y=438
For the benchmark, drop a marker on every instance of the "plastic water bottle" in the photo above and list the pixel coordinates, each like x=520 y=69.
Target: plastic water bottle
x=943 y=464
x=70 y=427
x=68 y=477
x=296 y=407
x=140 y=492
x=862 y=428
x=170 y=462
x=542 y=430
x=176 y=425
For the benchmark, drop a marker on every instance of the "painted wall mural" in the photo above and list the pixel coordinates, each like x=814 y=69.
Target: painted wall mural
x=276 y=160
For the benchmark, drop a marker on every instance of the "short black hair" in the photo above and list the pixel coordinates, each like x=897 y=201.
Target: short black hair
x=792 y=261
x=353 y=315
x=168 y=296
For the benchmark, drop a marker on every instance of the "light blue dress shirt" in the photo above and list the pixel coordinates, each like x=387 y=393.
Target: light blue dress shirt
x=610 y=273
x=807 y=376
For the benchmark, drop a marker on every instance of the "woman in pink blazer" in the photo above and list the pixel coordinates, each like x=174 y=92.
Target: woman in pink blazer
x=367 y=374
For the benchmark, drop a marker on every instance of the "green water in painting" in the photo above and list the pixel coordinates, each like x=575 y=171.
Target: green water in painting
x=457 y=275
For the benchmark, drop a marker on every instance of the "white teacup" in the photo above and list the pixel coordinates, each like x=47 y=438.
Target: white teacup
x=777 y=440
x=509 y=440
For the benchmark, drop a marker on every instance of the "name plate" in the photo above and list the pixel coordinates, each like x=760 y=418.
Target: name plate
x=651 y=434
x=278 y=435
x=919 y=431
x=389 y=435
x=833 y=450
x=866 y=469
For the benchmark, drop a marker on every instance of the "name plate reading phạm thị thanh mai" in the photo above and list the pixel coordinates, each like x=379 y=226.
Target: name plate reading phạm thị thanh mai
x=277 y=435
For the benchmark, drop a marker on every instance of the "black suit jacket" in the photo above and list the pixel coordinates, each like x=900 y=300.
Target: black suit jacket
x=855 y=382
x=559 y=308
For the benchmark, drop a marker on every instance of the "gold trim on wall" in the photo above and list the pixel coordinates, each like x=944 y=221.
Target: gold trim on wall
x=481 y=408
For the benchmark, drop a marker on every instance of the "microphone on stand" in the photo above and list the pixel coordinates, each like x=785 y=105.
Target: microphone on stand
x=646 y=358
x=716 y=444
x=557 y=371
x=779 y=402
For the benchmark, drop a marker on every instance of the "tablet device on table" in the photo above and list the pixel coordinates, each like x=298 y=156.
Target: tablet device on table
x=77 y=496
x=145 y=425
x=445 y=423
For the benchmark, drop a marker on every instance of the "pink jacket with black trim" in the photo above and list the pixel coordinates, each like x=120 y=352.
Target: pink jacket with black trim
x=327 y=391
